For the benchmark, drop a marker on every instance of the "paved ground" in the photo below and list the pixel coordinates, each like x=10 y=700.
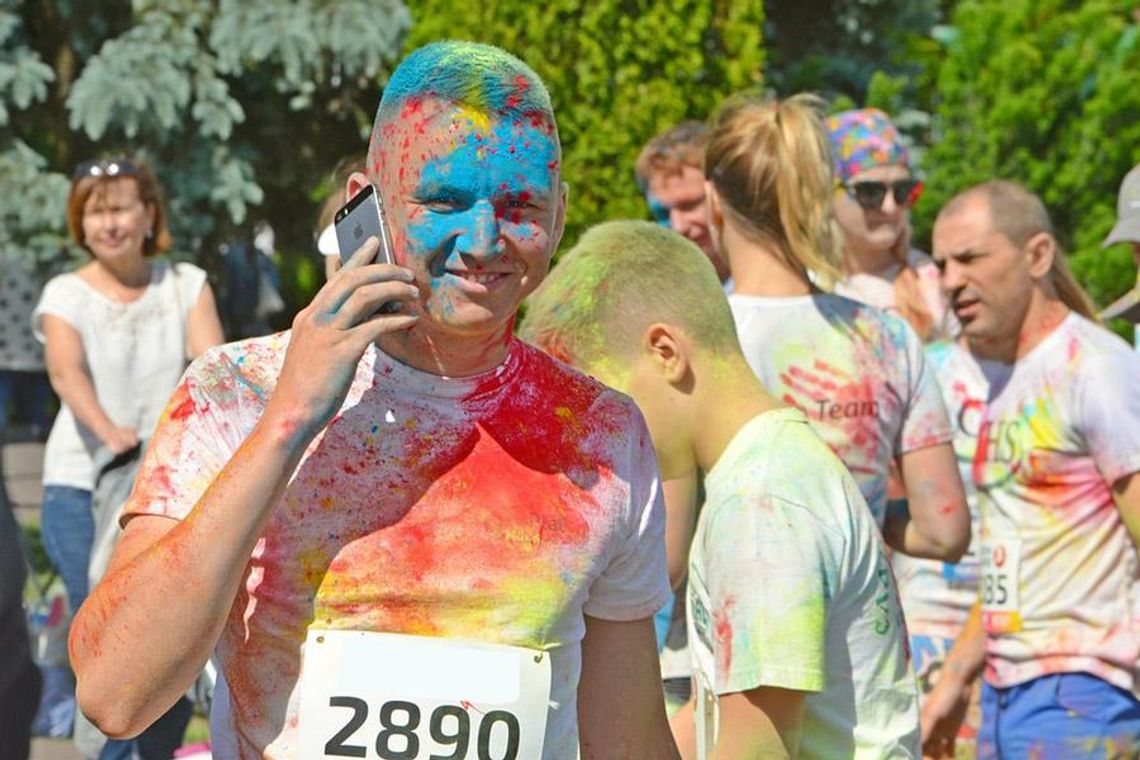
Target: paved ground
x=23 y=462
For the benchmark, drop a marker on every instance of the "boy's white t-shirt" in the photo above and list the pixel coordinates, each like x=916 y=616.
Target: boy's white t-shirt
x=135 y=352
x=1060 y=590
x=857 y=373
x=790 y=587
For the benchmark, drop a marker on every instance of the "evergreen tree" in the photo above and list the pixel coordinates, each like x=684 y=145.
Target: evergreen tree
x=619 y=72
x=1047 y=93
x=241 y=105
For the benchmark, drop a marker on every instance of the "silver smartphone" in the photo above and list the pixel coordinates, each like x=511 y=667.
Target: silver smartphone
x=359 y=219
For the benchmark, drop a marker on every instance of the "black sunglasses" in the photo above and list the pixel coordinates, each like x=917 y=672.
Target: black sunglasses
x=116 y=167
x=870 y=195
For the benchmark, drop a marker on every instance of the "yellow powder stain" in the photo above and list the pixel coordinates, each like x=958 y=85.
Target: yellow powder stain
x=325 y=502
x=314 y=563
x=410 y=424
x=480 y=120
x=569 y=419
x=1043 y=427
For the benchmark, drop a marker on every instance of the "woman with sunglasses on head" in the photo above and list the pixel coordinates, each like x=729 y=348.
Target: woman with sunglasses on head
x=874 y=194
x=117 y=334
x=858 y=373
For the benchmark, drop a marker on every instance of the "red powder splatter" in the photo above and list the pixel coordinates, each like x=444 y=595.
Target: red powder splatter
x=722 y=631
x=182 y=405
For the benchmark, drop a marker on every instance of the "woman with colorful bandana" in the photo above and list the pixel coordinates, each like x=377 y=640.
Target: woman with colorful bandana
x=874 y=194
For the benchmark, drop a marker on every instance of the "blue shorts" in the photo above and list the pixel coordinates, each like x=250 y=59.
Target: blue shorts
x=1068 y=715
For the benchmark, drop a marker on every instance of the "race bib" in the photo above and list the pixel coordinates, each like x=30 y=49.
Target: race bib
x=1001 y=576
x=394 y=697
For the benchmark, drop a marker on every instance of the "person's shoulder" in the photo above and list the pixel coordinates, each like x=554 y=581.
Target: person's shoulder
x=870 y=322
x=252 y=364
x=1097 y=354
x=944 y=355
x=63 y=282
x=920 y=261
x=783 y=460
x=566 y=391
x=186 y=269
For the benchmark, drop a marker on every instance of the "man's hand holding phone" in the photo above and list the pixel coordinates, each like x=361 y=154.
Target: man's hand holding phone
x=330 y=336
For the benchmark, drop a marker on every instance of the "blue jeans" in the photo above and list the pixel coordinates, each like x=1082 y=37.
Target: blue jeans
x=1067 y=715
x=68 y=527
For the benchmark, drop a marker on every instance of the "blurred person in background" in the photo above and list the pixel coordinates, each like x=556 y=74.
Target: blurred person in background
x=670 y=173
x=876 y=189
x=117 y=334
x=857 y=373
x=1127 y=230
x=20 y=679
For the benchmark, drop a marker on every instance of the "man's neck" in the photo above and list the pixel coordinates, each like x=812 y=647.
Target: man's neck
x=1045 y=314
x=731 y=397
x=447 y=355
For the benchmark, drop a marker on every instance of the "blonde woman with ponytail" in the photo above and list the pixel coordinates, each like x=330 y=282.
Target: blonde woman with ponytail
x=856 y=372
x=873 y=197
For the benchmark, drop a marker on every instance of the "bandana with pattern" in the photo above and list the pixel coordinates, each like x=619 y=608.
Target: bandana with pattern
x=862 y=140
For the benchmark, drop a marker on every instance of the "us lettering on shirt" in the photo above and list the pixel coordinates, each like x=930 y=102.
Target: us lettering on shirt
x=399 y=697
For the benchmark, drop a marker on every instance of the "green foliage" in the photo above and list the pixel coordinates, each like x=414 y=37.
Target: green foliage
x=1047 y=93
x=619 y=72
x=241 y=105
x=835 y=47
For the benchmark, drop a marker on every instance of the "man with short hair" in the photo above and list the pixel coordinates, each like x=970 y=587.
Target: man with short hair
x=1058 y=629
x=400 y=528
x=797 y=638
x=670 y=172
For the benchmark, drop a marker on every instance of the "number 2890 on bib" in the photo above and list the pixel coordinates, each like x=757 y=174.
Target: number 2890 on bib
x=394 y=697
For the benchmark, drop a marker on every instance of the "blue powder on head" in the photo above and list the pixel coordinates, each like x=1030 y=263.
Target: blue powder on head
x=482 y=77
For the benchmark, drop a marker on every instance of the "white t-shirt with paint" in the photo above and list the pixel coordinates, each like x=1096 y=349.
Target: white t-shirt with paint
x=857 y=373
x=1060 y=590
x=790 y=587
x=135 y=352
x=500 y=509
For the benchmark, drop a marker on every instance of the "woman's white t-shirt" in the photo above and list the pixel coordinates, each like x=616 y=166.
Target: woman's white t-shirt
x=857 y=373
x=135 y=353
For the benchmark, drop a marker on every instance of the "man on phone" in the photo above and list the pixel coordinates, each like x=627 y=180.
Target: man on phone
x=401 y=529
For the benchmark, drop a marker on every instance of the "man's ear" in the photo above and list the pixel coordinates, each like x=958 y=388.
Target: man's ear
x=716 y=212
x=357 y=181
x=1041 y=250
x=667 y=352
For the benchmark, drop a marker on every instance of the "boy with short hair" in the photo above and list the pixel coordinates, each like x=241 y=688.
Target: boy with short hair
x=795 y=627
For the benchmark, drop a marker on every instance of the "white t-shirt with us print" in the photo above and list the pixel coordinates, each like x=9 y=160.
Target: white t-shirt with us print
x=790 y=587
x=857 y=373
x=1060 y=590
